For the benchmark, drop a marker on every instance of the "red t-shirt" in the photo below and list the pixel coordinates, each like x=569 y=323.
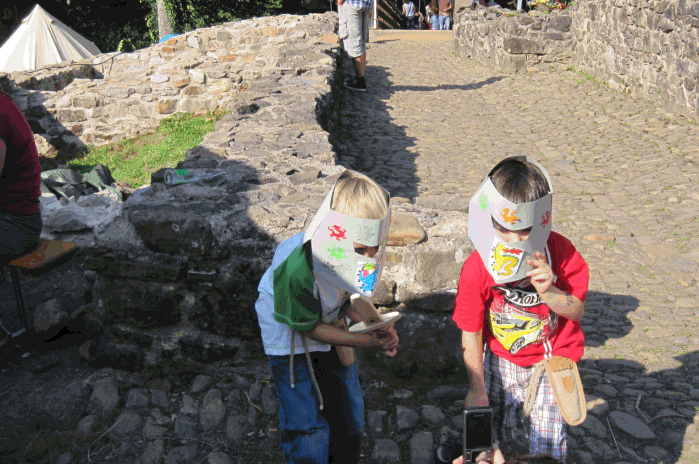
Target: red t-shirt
x=515 y=320
x=20 y=179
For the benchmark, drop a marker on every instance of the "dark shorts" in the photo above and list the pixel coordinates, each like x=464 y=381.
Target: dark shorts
x=19 y=235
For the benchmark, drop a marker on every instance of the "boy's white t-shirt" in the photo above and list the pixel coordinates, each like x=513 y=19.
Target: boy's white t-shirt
x=276 y=337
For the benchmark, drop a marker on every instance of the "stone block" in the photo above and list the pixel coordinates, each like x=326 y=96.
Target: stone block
x=85 y=101
x=71 y=115
x=166 y=106
x=405 y=230
x=139 y=304
x=436 y=269
x=49 y=319
x=520 y=46
x=560 y=23
x=119 y=92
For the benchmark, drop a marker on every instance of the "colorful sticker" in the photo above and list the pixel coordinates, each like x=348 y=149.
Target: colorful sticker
x=483 y=201
x=545 y=219
x=509 y=216
x=337 y=253
x=366 y=276
x=505 y=261
x=337 y=232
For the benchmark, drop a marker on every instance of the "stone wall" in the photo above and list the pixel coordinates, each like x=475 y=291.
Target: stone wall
x=513 y=41
x=174 y=270
x=648 y=48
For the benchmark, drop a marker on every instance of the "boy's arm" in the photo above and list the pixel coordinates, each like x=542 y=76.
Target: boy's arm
x=328 y=334
x=561 y=302
x=472 y=344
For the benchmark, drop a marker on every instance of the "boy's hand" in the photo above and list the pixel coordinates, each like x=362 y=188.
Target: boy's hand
x=476 y=399
x=388 y=340
x=542 y=275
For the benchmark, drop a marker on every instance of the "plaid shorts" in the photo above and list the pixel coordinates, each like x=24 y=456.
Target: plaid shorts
x=506 y=384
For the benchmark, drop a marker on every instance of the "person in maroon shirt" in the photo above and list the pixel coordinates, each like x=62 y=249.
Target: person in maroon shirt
x=20 y=184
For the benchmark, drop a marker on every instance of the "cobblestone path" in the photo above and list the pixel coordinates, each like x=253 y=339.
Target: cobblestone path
x=626 y=182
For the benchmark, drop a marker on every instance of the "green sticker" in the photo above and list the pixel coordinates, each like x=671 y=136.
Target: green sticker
x=483 y=202
x=337 y=253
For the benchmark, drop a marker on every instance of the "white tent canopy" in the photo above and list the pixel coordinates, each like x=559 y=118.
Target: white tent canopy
x=43 y=40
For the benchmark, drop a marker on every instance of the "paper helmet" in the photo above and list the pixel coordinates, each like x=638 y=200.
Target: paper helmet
x=507 y=261
x=333 y=235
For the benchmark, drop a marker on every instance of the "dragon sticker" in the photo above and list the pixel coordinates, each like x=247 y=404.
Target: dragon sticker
x=505 y=261
x=337 y=232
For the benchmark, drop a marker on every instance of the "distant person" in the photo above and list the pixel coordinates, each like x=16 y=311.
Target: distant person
x=354 y=33
x=434 y=19
x=445 y=11
x=20 y=184
x=409 y=13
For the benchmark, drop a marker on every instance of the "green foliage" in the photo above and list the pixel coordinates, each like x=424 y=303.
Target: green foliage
x=133 y=160
x=186 y=15
x=125 y=46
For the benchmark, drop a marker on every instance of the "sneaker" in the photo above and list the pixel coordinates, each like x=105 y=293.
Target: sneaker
x=356 y=85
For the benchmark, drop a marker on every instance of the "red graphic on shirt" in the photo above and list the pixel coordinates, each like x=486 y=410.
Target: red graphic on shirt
x=509 y=216
x=337 y=232
x=545 y=219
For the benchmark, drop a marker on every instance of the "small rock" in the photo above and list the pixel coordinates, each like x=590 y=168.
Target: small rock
x=432 y=414
x=375 y=420
x=189 y=405
x=269 y=400
x=85 y=425
x=127 y=422
x=212 y=409
x=159 y=398
x=200 y=383
x=181 y=455
x=421 y=448
x=184 y=427
x=405 y=230
x=49 y=319
x=219 y=458
x=401 y=394
x=237 y=426
x=151 y=430
x=105 y=395
x=631 y=425
x=153 y=452
x=255 y=390
x=136 y=398
x=159 y=417
x=66 y=458
x=385 y=452
x=405 y=417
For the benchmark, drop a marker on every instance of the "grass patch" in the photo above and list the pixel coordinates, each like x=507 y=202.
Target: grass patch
x=133 y=160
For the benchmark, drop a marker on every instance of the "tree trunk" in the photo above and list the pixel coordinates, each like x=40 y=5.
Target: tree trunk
x=163 y=20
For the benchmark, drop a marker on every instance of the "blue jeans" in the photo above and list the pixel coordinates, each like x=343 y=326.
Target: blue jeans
x=435 y=22
x=444 y=22
x=309 y=435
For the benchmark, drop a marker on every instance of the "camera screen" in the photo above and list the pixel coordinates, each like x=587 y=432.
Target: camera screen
x=478 y=430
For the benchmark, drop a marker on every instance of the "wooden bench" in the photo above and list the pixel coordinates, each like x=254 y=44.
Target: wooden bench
x=47 y=255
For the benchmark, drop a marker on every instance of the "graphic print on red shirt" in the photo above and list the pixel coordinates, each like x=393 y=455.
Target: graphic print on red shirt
x=514 y=318
x=519 y=317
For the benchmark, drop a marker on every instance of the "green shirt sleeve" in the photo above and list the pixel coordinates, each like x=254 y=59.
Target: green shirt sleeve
x=294 y=303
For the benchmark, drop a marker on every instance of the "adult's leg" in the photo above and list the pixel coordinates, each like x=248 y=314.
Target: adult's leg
x=435 y=22
x=18 y=235
x=344 y=408
x=304 y=431
x=447 y=23
x=358 y=28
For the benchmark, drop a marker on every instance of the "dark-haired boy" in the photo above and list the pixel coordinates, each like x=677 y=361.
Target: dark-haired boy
x=521 y=294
